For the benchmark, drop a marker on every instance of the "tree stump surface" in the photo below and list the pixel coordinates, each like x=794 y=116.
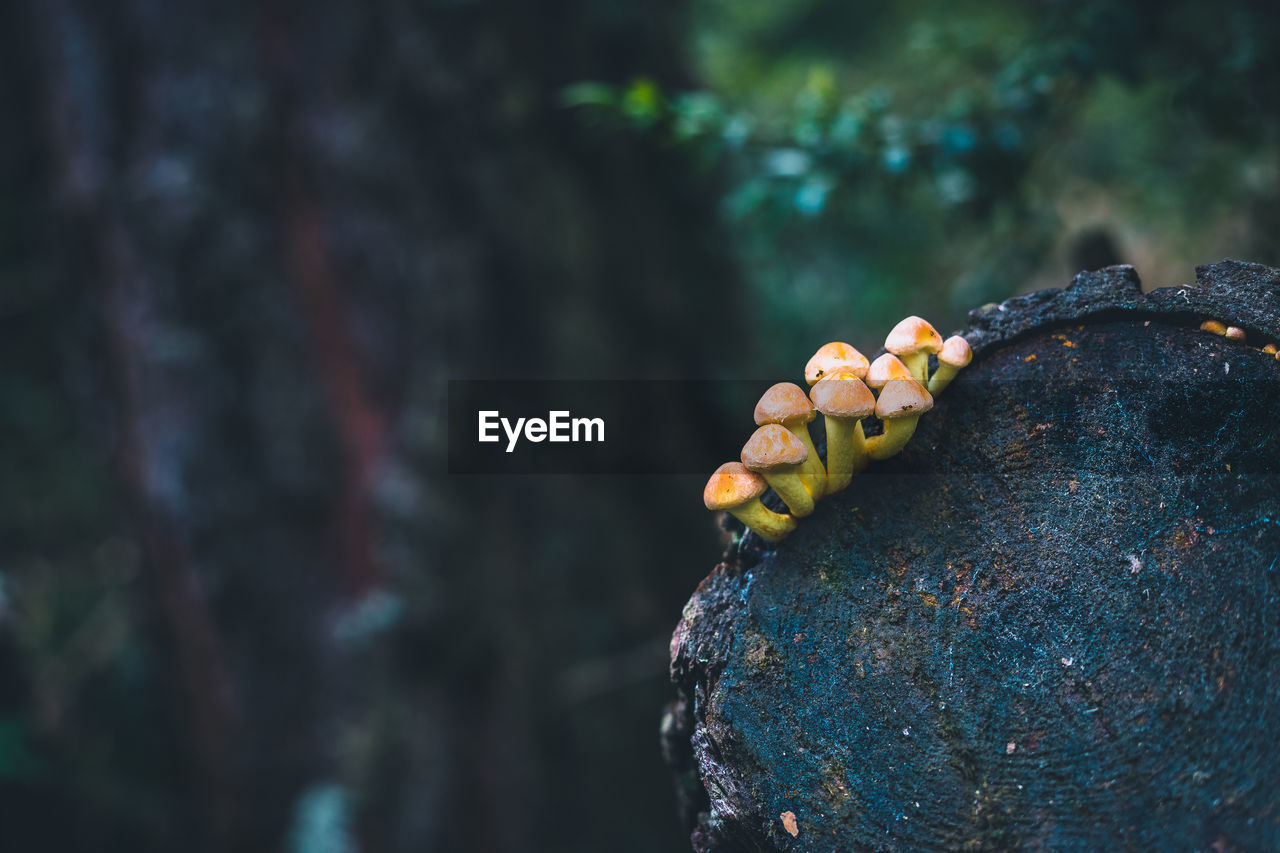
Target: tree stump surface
x=1051 y=622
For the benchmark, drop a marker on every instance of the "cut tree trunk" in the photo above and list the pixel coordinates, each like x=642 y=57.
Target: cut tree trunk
x=1050 y=623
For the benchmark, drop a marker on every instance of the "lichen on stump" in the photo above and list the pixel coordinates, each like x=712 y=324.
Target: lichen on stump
x=1052 y=622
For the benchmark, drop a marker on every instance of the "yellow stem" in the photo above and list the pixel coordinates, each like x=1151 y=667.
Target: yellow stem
x=942 y=377
x=789 y=487
x=840 y=451
x=918 y=364
x=765 y=522
x=811 y=472
x=897 y=432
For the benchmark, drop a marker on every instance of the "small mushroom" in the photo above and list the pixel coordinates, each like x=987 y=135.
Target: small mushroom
x=1269 y=349
x=1235 y=333
x=884 y=368
x=952 y=358
x=832 y=356
x=844 y=401
x=899 y=407
x=913 y=340
x=776 y=453
x=1214 y=327
x=786 y=403
x=736 y=489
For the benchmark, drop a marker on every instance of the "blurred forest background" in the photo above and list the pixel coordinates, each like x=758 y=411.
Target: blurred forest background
x=245 y=245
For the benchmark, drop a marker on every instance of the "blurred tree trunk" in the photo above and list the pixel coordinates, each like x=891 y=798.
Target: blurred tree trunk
x=277 y=231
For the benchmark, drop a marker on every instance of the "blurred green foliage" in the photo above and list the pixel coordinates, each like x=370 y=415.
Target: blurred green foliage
x=17 y=761
x=937 y=156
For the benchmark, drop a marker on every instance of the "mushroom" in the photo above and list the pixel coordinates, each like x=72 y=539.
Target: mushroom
x=884 y=368
x=787 y=404
x=954 y=355
x=1213 y=326
x=775 y=452
x=832 y=356
x=1269 y=349
x=913 y=340
x=901 y=403
x=736 y=489
x=1235 y=333
x=844 y=401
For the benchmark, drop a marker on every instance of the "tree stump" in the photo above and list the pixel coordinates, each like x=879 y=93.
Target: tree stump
x=1051 y=622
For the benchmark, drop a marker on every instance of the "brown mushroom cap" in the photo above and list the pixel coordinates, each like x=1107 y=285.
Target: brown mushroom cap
x=886 y=367
x=903 y=397
x=913 y=335
x=832 y=356
x=773 y=446
x=955 y=352
x=784 y=403
x=732 y=484
x=841 y=394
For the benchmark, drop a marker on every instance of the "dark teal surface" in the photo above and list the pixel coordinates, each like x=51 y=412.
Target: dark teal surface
x=1051 y=623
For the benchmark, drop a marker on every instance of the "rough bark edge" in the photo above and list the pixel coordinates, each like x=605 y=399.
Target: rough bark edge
x=1239 y=293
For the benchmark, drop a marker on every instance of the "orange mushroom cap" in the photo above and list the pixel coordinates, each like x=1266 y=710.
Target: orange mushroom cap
x=841 y=394
x=955 y=352
x=784 y=403
x=773 y=446
x=901 y=398
x=732 y=484
x=832 y=356
x=886 y=367
x=913 y=335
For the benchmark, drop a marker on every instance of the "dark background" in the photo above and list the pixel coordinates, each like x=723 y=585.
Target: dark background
x=244 y=247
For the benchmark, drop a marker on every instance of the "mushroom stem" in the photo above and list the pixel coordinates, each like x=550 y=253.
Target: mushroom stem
x=766 y=523
x=844 y=401
x=860 y=454
x=899 y=407
x=792 y=490
x=897 y=432
x=918 y=364
x=846 y=452
x=811 y=471
x=954 y=356
x=942 y=377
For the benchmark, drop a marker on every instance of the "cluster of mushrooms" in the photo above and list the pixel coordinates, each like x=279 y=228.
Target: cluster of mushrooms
x=1235 y=333
x=780 y=454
